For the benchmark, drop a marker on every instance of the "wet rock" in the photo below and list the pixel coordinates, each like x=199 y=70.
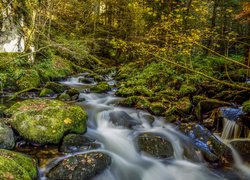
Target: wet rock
x=7 y=139
x=85 y=80
x=72 y=92
x=101 y=87
x=80 y=167
x=150 y=119
x=15 y=165
x=212 y=149
x=121 y=118
x=76 y=143
x=242 y=146
x=56 y=87
x=246 y=107
x=233 y=96
x=46 y=92
x=155 y=145
x=208 y=105
x=46 y=121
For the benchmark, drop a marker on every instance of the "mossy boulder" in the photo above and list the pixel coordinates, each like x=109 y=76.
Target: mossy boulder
x=2 y=109
x=73 y=93
x=157 y=108
x=27 y=79
x=155 y=145
x=246 y=106
x=15 y=165
x=134 y=91
x=101 y=87
x=76 y=143
x=46 y=121
x=81 y=166
x=136 y=101
x=64 y=97
x=45 y=92
x=7 y=139
x=56 y=87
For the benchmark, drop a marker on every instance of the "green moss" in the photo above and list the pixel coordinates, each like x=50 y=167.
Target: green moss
x=101 y=87
x=56 y=87
x=46 y=92
x=187 y=90
x=157 y=108
x=246 y=106
x=46 y=121
x=72 y=92
x=26 y=79
x=136 y=101
x=64 y=96
x=15 y=165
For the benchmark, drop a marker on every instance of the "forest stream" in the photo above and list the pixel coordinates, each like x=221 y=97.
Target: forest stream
x=117 y=131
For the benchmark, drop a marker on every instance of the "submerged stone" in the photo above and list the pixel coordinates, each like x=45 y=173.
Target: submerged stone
x=155 y=145
x=46 y=121
x=121 y=118
x=76 y=143
x=80 y=167
x=15 y=165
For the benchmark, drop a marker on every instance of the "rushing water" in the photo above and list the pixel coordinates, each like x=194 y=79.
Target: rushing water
x=119 y=143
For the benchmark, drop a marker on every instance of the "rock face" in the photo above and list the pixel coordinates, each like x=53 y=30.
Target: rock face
x=7 y=139
x=155 y=145
x=80 y=167
x=121 y=118
x=212 y=149
x=46 y=121
x=76 y=143
x=242 y=146
x=15 y=165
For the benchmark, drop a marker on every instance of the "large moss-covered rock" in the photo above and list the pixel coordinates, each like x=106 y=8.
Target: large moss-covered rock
x=27 y=79
x=76 y=143
x=80 y=167
x=46 y=121
x=7 y=139
x=15 y=165
x=101 y=87
x=135 y=101
x=56 y=87
x=155 y=145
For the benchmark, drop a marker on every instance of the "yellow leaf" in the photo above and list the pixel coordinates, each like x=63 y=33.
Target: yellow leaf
x=67 y=121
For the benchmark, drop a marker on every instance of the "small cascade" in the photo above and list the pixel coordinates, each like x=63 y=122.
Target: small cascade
x=239 y=164
x=231 y=128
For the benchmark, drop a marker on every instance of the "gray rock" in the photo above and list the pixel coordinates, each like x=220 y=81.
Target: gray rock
x=80 y=167
x=7 y=139
x=121 y=118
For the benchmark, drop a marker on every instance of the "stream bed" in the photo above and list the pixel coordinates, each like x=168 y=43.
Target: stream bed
x=116 y=129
